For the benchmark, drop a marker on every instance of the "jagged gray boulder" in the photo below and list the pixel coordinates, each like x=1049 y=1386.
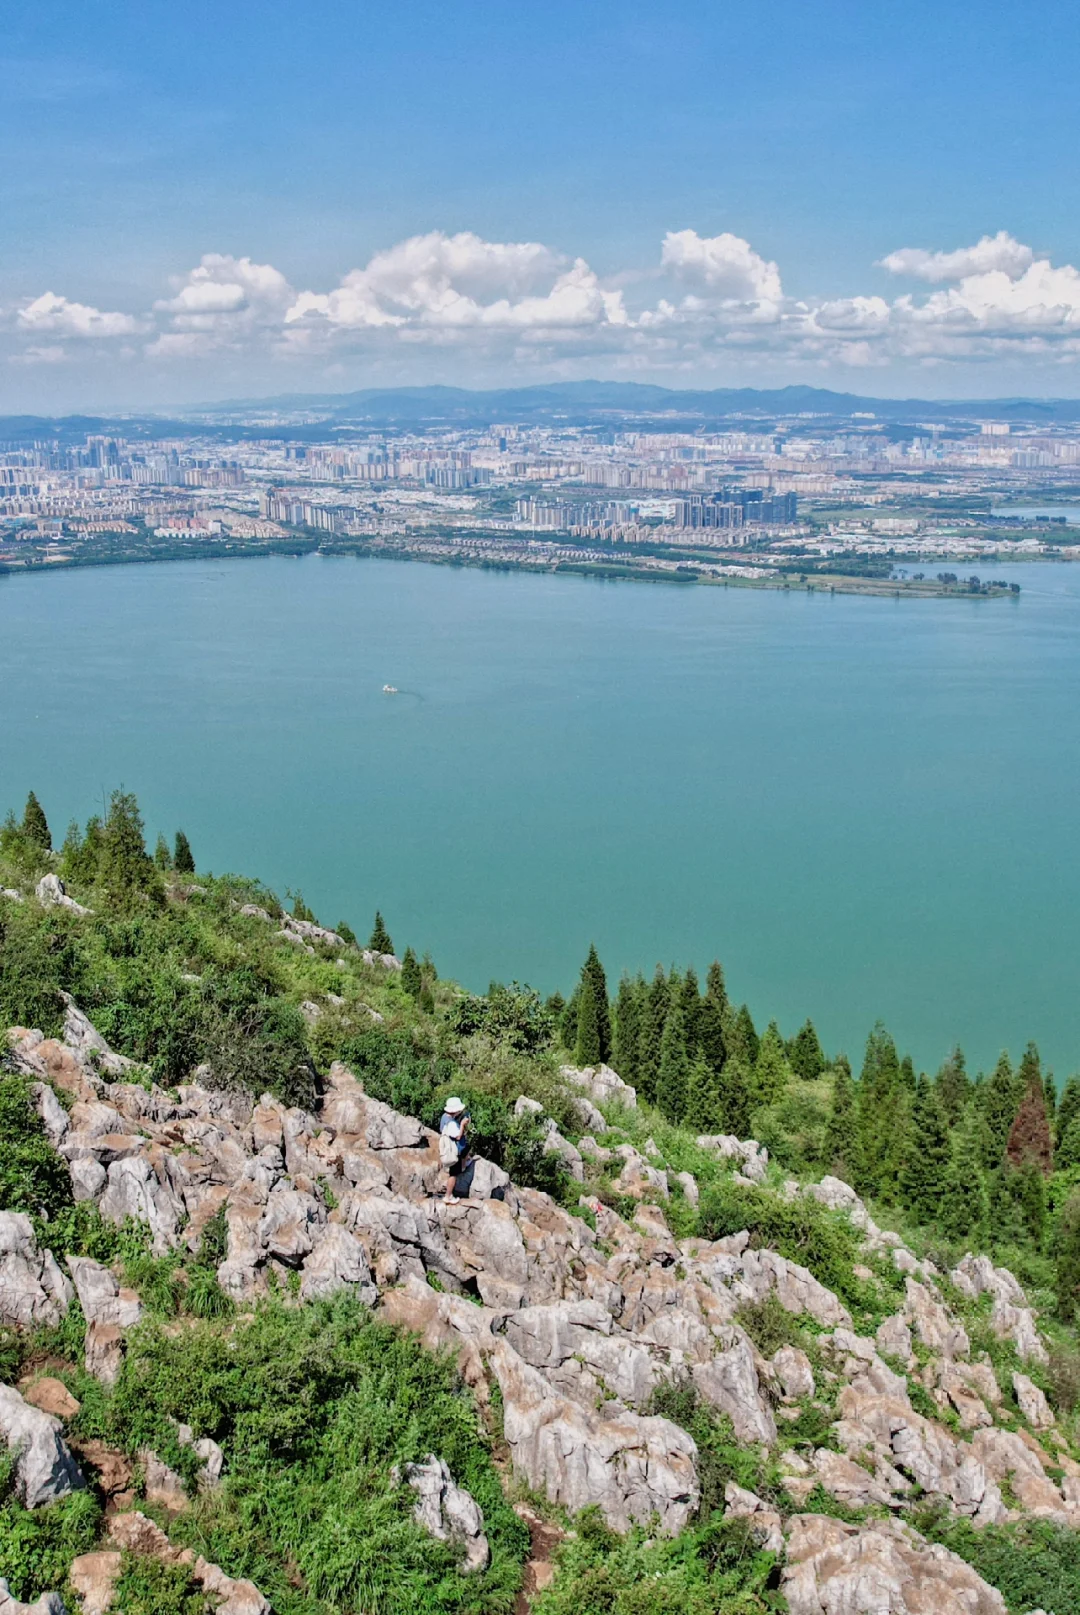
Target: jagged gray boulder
x=44 y=1466
x=880 y=1568
x=47 y=1604
x=33 y=1291
x=448 y=1512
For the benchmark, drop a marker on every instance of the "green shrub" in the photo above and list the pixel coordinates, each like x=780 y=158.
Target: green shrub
x=713 y=1570
x=1034 y=1565
x=313 y=1407
x=149 y=1587
x=36 y=1546
x=33 y=1177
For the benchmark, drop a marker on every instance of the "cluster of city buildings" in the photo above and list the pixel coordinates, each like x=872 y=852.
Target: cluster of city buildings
x=800 y=486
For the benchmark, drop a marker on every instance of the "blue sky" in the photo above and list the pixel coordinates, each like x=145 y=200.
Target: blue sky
x=781 y=152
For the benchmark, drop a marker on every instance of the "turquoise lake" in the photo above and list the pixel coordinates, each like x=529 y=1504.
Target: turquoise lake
x=864 y=807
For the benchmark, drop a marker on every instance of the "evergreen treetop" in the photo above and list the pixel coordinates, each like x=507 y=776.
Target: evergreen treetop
x=35 y=826
x=379 y=941
x=183 y=861
x=807 y=1056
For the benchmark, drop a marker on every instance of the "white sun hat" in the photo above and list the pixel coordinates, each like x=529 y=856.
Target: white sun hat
x=453 y=1107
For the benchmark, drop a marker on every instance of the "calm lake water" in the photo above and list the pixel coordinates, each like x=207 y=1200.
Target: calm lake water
x=864 y=807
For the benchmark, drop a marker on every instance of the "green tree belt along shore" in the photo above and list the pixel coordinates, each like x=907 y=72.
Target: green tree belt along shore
x=321 y=1405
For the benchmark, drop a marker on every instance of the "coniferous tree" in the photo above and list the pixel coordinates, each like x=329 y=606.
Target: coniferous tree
x=125 y=869
x=300 y=910
x=741 y=1037
x=588 y=1046
x=908 y=1079
x=1030 y=1067
x=1006 y=1210
x=772 y=1072
x=162 y=855
x=713 y=1017
x=807 y=1056
x=1032 y=1197
x=183 y=862
x=1050 y=1097
x=1068 y=1107
x=1030 y=1138
x=35 y=826
x=882 y=1115
x=410 y=978
x=690 y=1001
x=654 y=1010
x=555 y=1004
x=594 y=971
x=671 y=1091
x=1000 y=1102
x=965 y=1205
x=627 y=1031
x=841 y=1129
x=953 y=1086
x=379 y=941
x=80 y=855
x=737 y=1096
x=346 y=933
x=1067 y=1153
x=704 y=1099
x=1067 y=1262
x=923 y=1174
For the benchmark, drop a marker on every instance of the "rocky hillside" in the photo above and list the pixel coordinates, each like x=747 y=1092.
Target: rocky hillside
x=251 y=1358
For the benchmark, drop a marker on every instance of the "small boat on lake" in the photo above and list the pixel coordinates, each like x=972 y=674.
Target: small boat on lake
x=390 y=689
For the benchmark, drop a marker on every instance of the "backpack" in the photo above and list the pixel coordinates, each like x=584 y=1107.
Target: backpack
x=448 y=1149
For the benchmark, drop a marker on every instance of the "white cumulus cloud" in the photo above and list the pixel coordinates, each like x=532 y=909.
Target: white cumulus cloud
x=1001 y=252
x=58 y=316
x=725 y=266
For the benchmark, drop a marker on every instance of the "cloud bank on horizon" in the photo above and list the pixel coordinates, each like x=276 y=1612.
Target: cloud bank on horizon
x=708 y=301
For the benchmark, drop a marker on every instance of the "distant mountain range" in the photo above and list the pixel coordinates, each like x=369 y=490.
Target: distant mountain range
x=574 y=403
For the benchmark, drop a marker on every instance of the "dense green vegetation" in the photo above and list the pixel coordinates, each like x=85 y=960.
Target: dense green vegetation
x=315 y=1405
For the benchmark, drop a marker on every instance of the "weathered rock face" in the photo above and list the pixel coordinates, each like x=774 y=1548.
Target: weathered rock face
x=44 y=1469
x=883 y=1568
x=632 y=1467
x=729 y=1381
x=52 y=893
x=448 y=1512
x=603 y=1085
x=33 y=1291
x=752 y=1156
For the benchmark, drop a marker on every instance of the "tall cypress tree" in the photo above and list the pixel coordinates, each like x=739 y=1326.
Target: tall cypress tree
x=1000 y=1102
x=587 y=1047
x=126 y=870
x=627 y=1030
x=379 y=941
x=771 y=1072
x=162 y=855
x=1032 y=1197
x=907 y=1074
x=671 y=1093
x=704 y=1101
x=841 y=1129
x=712 y=1018
x=690 y=1000
x=807 y=1055
x=965 y=1206
x=653 y=1015
x=737 y=1096
x=881 y=1114
x=411 y=978
x=568 y=1021
x=926 y=1164
x=742 y=1038
x=1068 y=1107
x=1068 y=1260
x=594 y=970
x=1050 y=1096
x=35 y=826
x=953 y=1086
x=183 y=861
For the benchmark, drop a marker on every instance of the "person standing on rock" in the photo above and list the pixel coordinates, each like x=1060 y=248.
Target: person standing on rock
x=453 y=1142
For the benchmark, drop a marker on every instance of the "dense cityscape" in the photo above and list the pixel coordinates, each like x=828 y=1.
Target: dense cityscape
x=861 y=501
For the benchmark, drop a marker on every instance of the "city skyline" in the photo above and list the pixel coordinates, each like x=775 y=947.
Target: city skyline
x=201 y=209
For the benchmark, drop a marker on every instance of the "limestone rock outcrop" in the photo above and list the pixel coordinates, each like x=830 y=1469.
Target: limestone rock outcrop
x=44 y=1466
x=881 y=1568
x=448 y=1512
